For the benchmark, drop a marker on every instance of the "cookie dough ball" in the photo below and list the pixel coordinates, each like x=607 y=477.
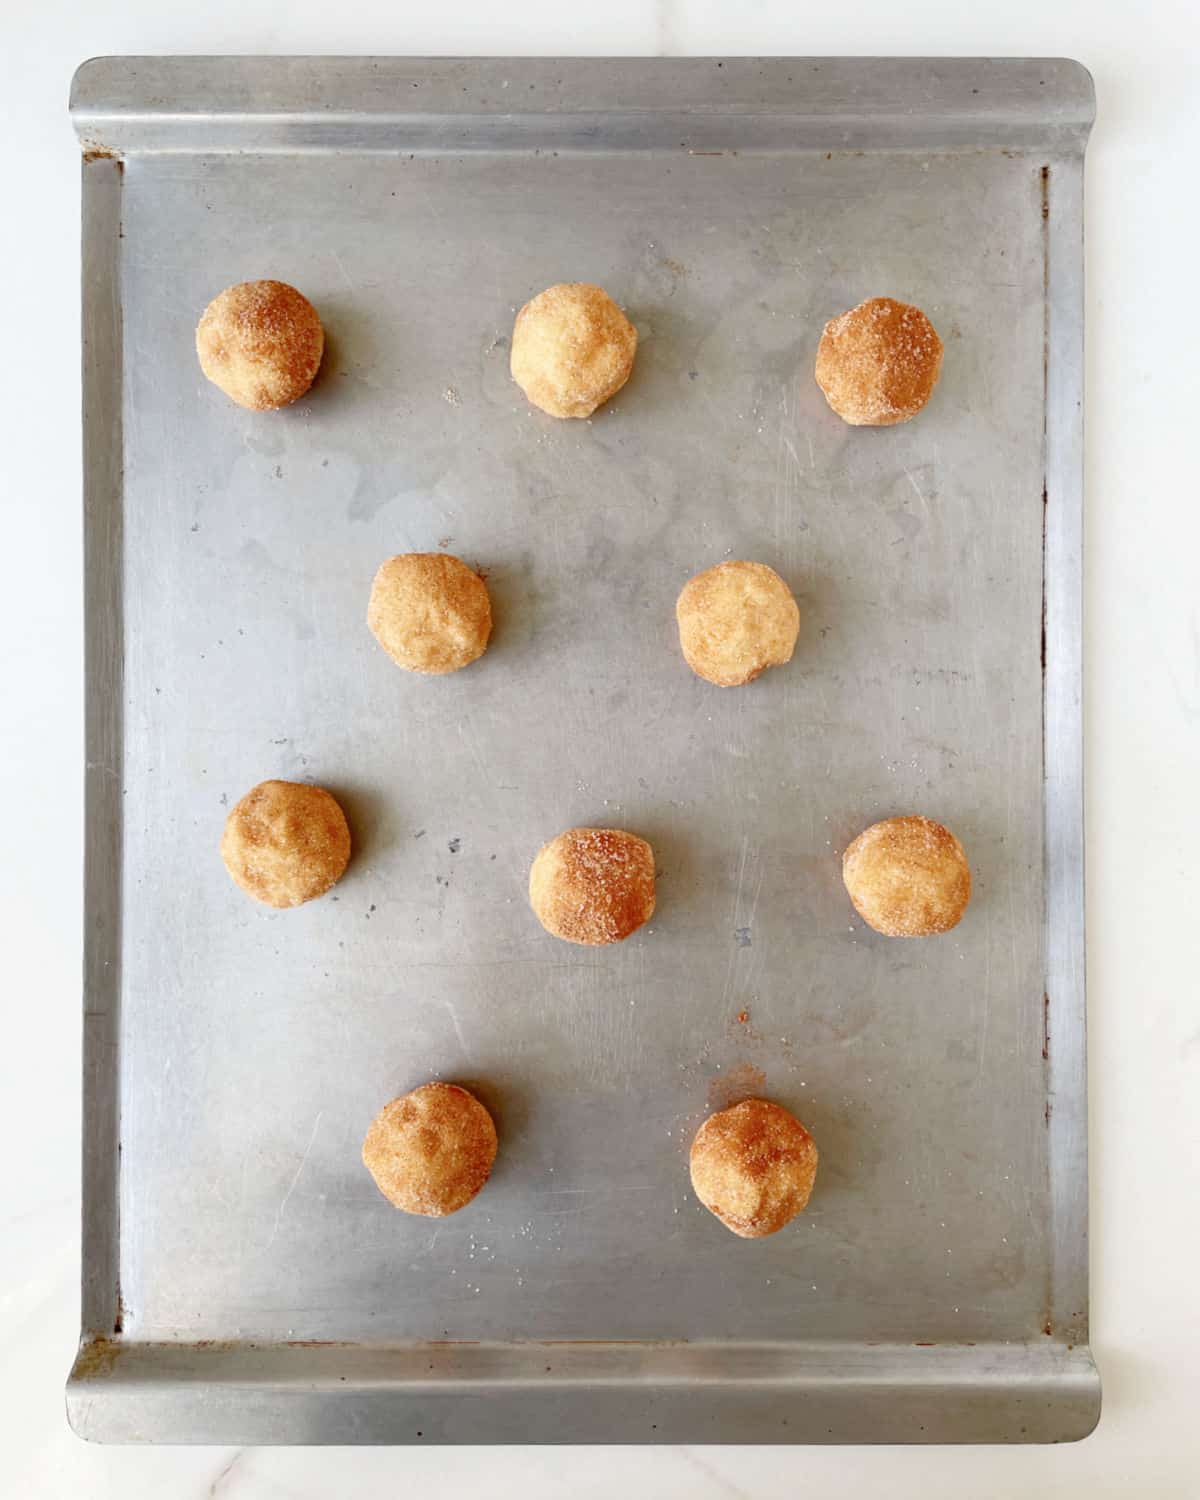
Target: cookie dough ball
x=572 y=348
x=908 y=877
x=286 y=842
x=593 y=885
x=878 y=363
x=753 y=1166
x=735 y=621
x=430 y=612
x=261 y=342
x=432 y=1150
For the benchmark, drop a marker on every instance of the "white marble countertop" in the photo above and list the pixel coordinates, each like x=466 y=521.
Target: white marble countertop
x=1143 y=742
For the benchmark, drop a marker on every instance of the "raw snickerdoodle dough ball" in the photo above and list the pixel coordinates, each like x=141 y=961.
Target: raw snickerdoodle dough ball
x=878 y=363
x=593 y=885
x=753 y=1166
x=432 y=1150
x=430 y=612
x=286 y=842
x=735 y=620
x=572 y=348
x=261 y=342
x=907 y=877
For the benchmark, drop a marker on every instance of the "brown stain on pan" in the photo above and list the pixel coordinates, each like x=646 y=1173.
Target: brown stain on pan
x=94 y=151
x=606 y=1343
x=96 y=1357
x=742 y=1081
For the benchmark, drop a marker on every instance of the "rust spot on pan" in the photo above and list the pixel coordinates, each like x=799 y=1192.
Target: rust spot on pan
x=95 y=151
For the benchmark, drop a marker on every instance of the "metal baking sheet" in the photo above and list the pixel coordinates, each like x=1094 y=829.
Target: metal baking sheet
x=243 y=1280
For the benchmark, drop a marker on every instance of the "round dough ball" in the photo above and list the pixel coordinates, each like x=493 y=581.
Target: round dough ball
x=432 y=1150
x=593 y=885
x=908 y=877
x=286 y=842
x=261 y=342
x=878 y=363
x=735 y=620
x=430 y=612
x=753 y=1166
x=572 y=348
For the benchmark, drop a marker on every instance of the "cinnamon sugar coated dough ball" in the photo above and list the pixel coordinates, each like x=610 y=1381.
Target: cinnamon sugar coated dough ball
x=286 y=842
x=432 y=1150
x=572 y=348
x=261 y=342
x=908 y=877
x=430 y=612
x=735 y=621
x=593 y=885
x=878 y=363
x=753 y=1166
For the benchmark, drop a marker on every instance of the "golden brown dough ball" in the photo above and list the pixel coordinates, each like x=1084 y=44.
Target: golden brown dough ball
x=878 y=363
x=286 y=842
x=735 y=621
x=572 y=348
x=908 y=877
x=432 y=1150
x=753 y=1166
x=430 y=612
x=261 y=342
x=593 y=885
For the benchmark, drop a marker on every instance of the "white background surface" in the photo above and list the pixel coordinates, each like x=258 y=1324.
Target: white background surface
x=1143 y=740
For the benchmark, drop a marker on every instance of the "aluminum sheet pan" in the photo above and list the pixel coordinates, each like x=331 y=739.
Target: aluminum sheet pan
x=243 y=1280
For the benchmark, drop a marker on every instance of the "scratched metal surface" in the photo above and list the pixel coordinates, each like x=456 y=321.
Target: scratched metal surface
x=256 y=1046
